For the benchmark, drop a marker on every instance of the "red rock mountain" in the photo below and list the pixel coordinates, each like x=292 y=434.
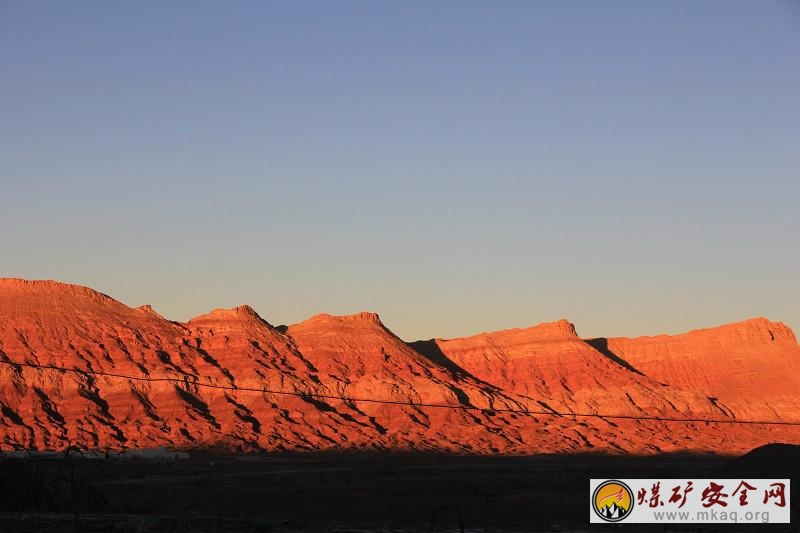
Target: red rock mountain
x=78 y=368
x=747 y=370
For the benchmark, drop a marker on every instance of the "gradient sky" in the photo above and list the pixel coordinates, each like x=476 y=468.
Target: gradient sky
x=455 y=166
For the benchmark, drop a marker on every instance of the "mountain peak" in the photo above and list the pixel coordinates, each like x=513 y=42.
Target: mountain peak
x=560 y=329
x=362 y=317
x=147 y=309
x=52 y=288
x=761 y=328
x=234 y=314
x=758 y=330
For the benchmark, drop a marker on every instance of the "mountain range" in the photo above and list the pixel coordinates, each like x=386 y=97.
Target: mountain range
x=80 y=369
x=613 y=511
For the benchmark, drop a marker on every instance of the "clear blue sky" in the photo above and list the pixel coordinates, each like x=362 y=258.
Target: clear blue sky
x=455 y=166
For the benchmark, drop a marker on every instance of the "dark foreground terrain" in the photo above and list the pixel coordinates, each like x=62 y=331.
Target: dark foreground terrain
x=209 y=492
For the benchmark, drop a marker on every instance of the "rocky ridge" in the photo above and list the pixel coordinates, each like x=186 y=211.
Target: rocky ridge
x=80 y=369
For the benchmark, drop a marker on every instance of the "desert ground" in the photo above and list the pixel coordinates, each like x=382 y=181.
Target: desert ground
x=340 y=492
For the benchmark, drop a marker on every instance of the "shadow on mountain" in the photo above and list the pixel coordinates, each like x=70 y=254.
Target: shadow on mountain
x=345 y=491
x=430 y=350
x=601 y=345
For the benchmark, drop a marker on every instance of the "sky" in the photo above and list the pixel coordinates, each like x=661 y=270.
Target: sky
x=456 y=167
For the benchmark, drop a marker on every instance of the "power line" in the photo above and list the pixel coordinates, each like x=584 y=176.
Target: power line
x=462 y=407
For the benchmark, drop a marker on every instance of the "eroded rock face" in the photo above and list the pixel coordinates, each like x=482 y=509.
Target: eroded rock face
x=748 y=370
x=230 y=379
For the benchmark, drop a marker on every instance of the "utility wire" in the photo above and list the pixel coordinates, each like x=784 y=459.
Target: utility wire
x=304 y=395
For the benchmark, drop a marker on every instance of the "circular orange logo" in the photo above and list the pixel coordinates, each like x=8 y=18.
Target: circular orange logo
x=612 y=501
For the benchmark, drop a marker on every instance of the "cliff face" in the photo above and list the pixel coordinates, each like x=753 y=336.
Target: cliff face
x=751 y=369
x=118 y=377
x=549 y=364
